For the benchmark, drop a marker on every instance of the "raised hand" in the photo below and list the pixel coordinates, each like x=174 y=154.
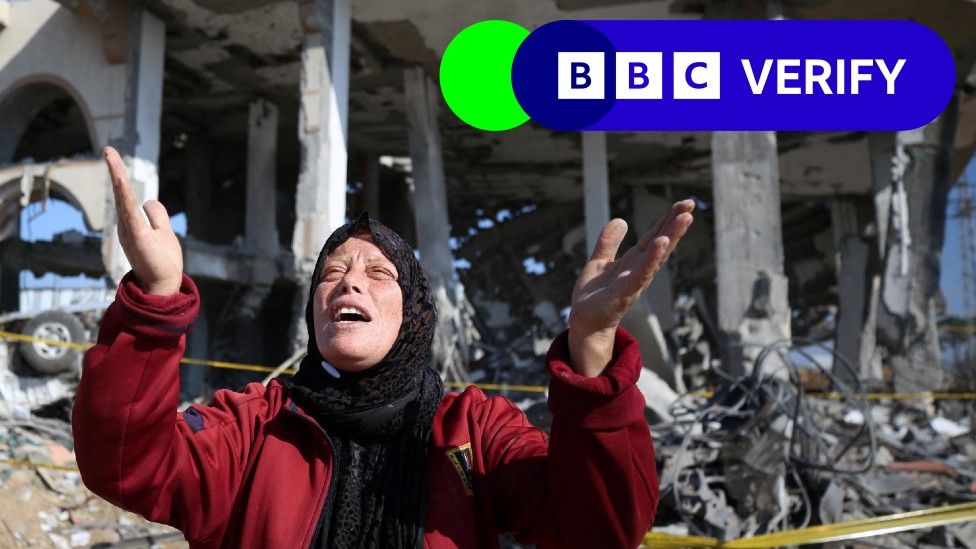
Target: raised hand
x=151 y=248
x=608 y=285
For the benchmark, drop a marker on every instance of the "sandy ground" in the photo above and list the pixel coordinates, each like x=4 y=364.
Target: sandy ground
x=51 y=508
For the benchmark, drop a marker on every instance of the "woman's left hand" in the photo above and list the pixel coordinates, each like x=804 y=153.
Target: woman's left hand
x=607 y=287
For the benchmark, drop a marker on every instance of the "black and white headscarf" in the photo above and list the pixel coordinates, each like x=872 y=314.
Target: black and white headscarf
x=379 y=420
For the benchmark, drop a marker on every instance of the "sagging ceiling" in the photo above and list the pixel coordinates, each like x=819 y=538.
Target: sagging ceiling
x=223 y=53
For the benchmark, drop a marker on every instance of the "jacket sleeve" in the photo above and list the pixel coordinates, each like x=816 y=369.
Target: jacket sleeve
x=133 y=448
x=594 y=482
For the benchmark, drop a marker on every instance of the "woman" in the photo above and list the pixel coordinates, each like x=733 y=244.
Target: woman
x=360 y=448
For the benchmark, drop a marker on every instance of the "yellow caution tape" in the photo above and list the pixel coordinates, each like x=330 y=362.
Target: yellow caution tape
x=34 y=465
x=825 y=533
x=485 y=386
x=660 y=540
x=196 y=361
x=957 y=329
x=51 y=342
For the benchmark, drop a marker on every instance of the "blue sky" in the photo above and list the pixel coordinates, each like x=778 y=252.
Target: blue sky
x=37 y=224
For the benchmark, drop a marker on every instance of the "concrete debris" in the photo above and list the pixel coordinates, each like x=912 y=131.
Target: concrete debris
x=765 y=451
x=20 y=395
x=50 y=507
x=657 y=393
x=25 y=391
x=948 y=427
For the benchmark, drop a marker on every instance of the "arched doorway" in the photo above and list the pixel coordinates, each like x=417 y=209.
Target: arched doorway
x=42 y=122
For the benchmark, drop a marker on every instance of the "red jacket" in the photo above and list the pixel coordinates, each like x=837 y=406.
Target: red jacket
x=252 y=469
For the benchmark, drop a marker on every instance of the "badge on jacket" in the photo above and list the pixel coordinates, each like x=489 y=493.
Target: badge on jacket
x=461 y=458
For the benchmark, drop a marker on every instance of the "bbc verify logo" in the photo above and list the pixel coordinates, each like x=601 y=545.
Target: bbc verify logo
x=698 y=75
x=704 y=75
x=639 y=75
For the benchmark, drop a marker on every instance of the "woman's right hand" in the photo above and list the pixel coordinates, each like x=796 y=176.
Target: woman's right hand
x=151 y=248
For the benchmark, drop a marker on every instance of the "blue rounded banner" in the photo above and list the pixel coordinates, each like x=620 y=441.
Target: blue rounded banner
x=733 y=75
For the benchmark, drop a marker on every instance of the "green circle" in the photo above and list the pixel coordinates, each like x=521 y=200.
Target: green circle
x=476 y=75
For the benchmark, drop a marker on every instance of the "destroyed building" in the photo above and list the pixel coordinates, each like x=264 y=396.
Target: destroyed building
x=268 y=123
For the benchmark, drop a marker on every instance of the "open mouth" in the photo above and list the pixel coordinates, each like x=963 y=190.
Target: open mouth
x=349 y=314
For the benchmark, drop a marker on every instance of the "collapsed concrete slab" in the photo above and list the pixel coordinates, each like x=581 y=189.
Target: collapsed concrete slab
x=907 y=326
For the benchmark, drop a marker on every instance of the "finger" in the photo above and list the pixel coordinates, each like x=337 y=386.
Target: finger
x=158 y=217
x=655 y=260
x=648 y=264
x=677 y=208
x=678 y=229
x=666 y=220
x=659 y=250
x=609 y=241
x=126 y=204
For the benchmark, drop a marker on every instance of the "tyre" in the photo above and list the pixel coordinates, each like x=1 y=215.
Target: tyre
x=53 y=325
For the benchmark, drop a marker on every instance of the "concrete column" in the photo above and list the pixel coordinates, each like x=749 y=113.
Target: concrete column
x=881 y=146
x=260 y=226
x=907 y=327
x=596 y=186
x=139 y=143
x=320 y=197
x=198 y=187
x=849 y=218
x=260 y=232
x=430 y=204
x=752 y=288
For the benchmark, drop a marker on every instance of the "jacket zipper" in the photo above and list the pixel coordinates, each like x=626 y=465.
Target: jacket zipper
x=330 y=494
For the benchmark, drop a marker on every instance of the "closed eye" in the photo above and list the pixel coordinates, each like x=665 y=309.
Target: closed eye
x=383 y=273
x=332 y=273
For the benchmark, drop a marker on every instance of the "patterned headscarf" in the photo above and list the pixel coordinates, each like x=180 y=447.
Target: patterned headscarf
x=379 y=420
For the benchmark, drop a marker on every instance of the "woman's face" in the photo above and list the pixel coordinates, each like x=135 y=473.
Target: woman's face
x=358 y=305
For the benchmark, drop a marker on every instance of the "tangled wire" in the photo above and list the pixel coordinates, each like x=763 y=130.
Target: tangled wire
x=741 y=461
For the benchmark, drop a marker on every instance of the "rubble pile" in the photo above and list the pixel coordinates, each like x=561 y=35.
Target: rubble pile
x=48 y=506
x=794 y=443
